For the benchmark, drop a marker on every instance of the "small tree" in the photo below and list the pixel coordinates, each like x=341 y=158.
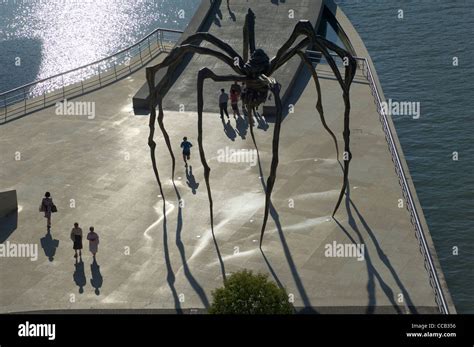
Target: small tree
x=246 y=293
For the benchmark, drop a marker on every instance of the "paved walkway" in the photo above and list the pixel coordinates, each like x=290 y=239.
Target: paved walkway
x=103 y=165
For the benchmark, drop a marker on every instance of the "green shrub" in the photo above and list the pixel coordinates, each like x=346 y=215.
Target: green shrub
x=246 y=293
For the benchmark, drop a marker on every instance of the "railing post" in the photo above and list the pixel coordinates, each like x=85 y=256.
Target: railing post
x=24 y=96
x=82 y=81
x=115 y=69
x=62 y=82
x=5 y=104
x=100 y=81
x=161 y=40
x=149 y=47
x=140 y=49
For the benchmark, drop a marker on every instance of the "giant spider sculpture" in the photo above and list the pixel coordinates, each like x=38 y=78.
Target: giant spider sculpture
x=256 y=72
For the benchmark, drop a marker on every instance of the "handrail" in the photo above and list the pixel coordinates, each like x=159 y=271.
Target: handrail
x=39 y=94
x=415 y=219
x=412 y=208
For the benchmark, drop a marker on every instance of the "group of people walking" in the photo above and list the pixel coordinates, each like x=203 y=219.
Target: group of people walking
x=48 y=208
x=236 y=91
x=235 y=95
x=76 y=238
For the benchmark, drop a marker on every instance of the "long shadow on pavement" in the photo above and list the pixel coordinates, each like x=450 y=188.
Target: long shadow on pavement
x=274 y=214
x=179 y=243
x=371 y=270
x=97 y=280
x=170 y=278
x=79 y=275
x=229 y=129
x=49 y=245
x=191 y=180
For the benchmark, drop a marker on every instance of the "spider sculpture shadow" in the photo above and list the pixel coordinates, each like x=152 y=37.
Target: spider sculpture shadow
x=256 y=72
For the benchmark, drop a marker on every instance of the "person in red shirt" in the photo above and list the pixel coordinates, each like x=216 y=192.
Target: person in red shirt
x=234 y=101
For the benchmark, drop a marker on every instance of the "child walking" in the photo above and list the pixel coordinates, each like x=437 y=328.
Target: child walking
x=186 y=146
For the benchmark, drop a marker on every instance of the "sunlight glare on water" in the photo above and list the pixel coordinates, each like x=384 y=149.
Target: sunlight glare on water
x=56 y=36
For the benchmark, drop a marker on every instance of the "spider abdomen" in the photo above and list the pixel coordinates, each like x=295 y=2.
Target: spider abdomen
x=255 y=93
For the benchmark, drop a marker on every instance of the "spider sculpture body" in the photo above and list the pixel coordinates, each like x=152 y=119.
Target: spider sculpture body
x=256 y=72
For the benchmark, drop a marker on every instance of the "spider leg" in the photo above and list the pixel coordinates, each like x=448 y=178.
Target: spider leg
x=218 y=43
x=204 y=74
x=249 y=34
x=290 y=54
x=319 y=104
x=151 y=141
x=275 y=158
x=305 y=28
x=349 y=77
x=174 y=58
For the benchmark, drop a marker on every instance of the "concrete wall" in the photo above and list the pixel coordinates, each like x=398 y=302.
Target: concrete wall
x=8 y=214
x=201 y=21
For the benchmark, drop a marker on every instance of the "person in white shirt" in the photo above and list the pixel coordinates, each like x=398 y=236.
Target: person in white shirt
x=93 y=238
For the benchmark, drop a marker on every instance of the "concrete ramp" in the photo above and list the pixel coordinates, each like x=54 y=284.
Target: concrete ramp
x=275 y=22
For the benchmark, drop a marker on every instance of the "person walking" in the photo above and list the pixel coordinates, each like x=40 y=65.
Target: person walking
x=234 y=101
x=76 y=237
x=93 y=238
x=236 y=87
x=223 y=101
x=186 y=146
x=47 y=206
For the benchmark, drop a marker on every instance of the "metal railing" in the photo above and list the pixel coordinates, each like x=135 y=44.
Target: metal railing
x=46 y=92
x=364 y=66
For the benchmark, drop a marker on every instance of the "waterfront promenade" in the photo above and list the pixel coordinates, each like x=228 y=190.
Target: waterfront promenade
x=99 y=173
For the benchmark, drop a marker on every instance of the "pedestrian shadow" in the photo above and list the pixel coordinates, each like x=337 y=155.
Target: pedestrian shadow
x=242 y=126
x=97 y=279
x=187 y=272
x=372 y=272
x=231 y=13
x=262 y=123
x=191 y=180
x=79 y=275
x=229 y=130
x=218 y=16
x=49 y=245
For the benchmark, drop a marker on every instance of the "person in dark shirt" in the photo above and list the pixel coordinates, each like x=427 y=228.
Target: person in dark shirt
x=223 y=101
x=47 y=206
x=186 y=146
